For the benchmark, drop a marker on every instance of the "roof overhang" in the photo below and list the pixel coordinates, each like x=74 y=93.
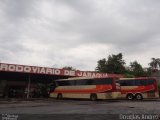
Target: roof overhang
x=52 y=71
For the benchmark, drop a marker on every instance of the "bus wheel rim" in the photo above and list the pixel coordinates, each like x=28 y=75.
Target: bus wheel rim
x=130 y=97
x=139 y=97
x=93 y=97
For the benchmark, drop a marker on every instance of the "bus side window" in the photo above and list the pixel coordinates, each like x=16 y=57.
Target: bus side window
x=97 y=82
x=143 y=82
x=102 y=81
x=123 y=83
x=109 y=81
x=60 y=83
x=150 y=82
x=137 y=82
x=81 y=82
x=89 y=82
x=72 y=82
x=131 y=83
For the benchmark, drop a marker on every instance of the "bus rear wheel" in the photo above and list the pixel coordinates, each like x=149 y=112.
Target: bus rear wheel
x=138 y=96
x=130 y=96
x=93 y=97
x=59 y=96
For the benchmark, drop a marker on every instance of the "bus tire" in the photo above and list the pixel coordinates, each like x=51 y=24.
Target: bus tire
x=93 y=97
x=59 y=96
x=130 y=96
x=139 y=96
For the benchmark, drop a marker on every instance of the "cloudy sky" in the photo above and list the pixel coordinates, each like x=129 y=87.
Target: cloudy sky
x=58 y=33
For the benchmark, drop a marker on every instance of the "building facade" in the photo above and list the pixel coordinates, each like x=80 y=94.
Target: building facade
x=21 y=81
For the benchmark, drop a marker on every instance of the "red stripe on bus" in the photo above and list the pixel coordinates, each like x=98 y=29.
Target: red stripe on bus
x=138 y=89
x=99 y=88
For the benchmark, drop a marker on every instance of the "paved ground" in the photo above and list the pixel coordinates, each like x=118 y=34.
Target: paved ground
x=83 y=108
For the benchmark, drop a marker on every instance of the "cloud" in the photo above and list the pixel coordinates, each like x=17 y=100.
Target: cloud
x=78 y=33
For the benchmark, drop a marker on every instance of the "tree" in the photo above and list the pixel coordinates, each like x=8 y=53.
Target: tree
x=101 y=65
x=68 y=68
x=114 y=64
x=136 y=69
x=155 y=63
x=148 y=72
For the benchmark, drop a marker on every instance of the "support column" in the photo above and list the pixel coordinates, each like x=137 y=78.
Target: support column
x=28 y=89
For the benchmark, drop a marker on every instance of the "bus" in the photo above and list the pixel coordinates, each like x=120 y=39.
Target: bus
x=87 y=88
x=138 y=88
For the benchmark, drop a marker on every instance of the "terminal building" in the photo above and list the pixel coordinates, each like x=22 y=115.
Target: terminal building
x=23 y=81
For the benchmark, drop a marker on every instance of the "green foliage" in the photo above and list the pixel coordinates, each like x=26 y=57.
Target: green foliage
x=101 y=67
x=127 y=75
x=155 y=63
x=68 y=68
x=114 y=64
x=148 y=73
x=136 y=69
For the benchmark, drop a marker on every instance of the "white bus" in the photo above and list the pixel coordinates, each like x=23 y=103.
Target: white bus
x=139 y=88
x=88 y=88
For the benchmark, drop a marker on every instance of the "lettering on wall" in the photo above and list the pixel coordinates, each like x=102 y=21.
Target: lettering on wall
x=49 y=71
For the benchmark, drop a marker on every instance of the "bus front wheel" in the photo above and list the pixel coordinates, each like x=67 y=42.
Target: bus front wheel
x=138 y=96
x=93 y=97
x=130 y=96
x=59 y=96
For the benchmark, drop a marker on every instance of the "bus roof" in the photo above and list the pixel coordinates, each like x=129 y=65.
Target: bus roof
x=138 y=78
x=79 y=78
